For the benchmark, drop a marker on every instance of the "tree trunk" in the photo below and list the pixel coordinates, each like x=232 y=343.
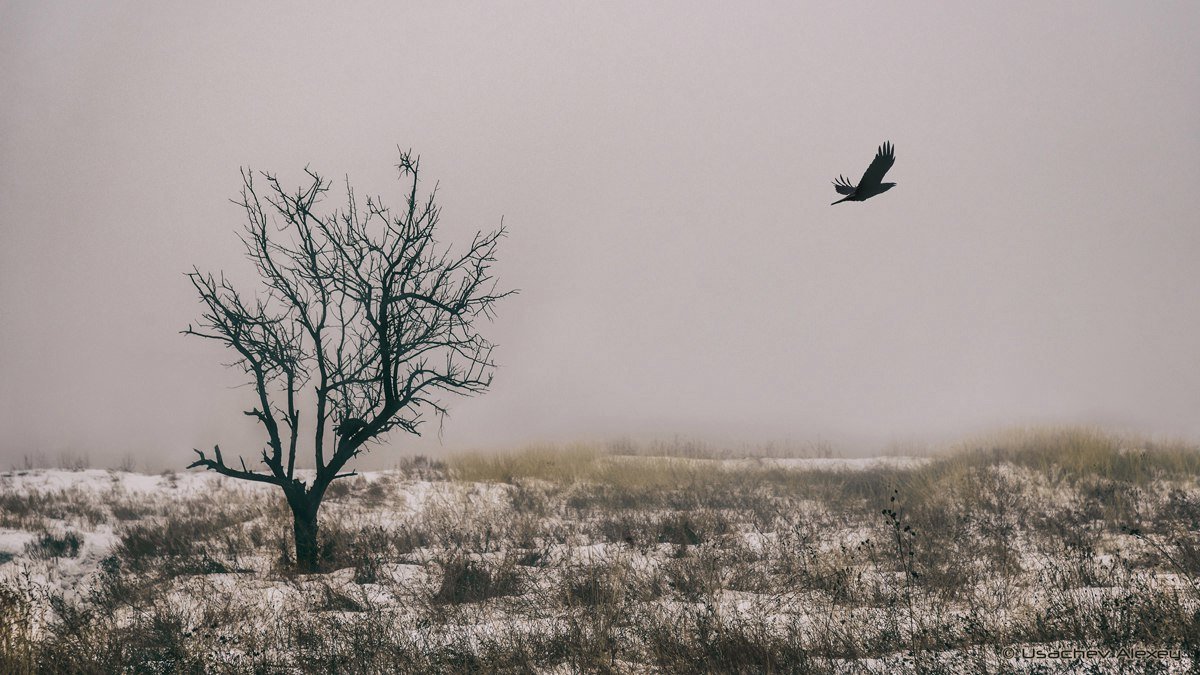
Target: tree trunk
x=304 y=527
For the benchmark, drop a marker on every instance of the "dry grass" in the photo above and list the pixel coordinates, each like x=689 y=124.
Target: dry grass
x=591 y=559
x=1075 y=452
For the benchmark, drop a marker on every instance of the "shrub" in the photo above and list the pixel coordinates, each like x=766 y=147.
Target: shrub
x=465 y=580
x=49 y=545
x=16 y=631
x=175 y=546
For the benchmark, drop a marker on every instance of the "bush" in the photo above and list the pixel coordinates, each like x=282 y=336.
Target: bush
x=16 y=631
x=175 y=546
x=465 y=580
x=361 y=550
x=49 y=545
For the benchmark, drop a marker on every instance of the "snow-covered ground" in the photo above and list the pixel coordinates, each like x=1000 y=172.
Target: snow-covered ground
x=834 y=565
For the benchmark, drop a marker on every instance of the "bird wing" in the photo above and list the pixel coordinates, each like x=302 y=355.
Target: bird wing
x=874 y=174
x=843 y=186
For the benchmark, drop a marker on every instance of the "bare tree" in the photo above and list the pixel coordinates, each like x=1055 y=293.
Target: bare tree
x=362 y=316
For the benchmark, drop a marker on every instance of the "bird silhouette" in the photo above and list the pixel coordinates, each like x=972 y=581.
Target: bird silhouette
x=869 y=185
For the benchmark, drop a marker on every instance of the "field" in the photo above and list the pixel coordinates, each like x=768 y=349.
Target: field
x=1041 y=551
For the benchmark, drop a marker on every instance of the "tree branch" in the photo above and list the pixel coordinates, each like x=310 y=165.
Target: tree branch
x=218 y=465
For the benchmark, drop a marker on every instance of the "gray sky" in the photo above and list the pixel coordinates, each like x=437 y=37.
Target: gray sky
x=665 y=172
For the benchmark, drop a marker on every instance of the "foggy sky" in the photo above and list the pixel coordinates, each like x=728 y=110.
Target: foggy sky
x=665 y=174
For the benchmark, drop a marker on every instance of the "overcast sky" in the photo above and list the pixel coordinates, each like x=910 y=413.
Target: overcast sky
x=665 y=173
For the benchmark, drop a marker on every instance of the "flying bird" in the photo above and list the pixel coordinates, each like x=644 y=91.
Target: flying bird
x=869 y=185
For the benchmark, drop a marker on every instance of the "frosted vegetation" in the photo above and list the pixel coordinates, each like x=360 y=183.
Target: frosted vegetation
x=621 y=559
